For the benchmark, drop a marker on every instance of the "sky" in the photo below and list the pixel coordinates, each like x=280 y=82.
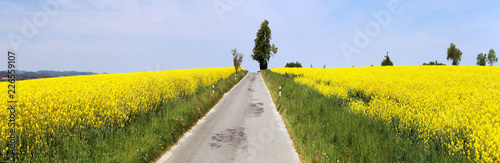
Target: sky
x=110 y=36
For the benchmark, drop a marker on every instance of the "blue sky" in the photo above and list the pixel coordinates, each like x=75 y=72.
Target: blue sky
x=133 y=36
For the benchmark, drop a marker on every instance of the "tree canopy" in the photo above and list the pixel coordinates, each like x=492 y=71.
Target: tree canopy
x=492 y=57
x=454 y=54
x=387 y=61
x=263 y=49
x=237 y=58
x=481 y=59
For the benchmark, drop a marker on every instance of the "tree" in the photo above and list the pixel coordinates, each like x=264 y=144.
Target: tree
x=263 y=49
x=237 y=59
x=387 y=61
x=481 y=59
x=434 y=63
x=291 y=64
x=454 y=54
x=492 y=57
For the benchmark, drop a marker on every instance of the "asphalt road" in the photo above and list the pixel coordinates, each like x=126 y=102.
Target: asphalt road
x=243 y=127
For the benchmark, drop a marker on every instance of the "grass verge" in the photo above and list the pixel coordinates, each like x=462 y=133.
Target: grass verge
x=323 y=131
x=145 y=137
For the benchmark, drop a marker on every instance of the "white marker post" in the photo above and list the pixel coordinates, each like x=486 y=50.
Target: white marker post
x=280 y=91
x=213 y=89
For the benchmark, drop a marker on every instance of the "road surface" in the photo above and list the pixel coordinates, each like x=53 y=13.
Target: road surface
x=243 y=127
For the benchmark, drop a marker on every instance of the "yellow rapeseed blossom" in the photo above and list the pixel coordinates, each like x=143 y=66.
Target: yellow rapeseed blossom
x=63 y=106
x=460 y=105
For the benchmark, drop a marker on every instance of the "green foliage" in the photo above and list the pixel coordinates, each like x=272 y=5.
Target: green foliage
x=434 y=63
x=237 y=58
x=387 y=61
x=263 y=49
x=492 y=57
x=291 y=64
x=454 y=54
x=481 y=59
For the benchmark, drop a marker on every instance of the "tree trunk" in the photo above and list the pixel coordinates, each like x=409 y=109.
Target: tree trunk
x=263 y=66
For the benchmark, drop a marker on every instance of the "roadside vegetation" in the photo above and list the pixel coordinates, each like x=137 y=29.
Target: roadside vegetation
x=296 y=64
x=323 y=130
x=147 y=137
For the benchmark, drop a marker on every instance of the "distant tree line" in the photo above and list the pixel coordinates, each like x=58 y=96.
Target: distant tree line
x=24 y=75
x=434 y=63
x=291 y=64
x=455 y=55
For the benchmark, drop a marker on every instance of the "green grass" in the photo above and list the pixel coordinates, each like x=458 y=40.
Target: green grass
x=323 y=131
x=145 y=138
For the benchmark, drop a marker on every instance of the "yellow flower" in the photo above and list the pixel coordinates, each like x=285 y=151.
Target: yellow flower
x=451 y=103
x=53 y=106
